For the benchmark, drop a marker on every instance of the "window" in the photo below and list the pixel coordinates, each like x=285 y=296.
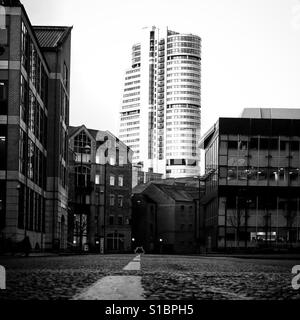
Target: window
x=120 y=181
x=83 y=176
x=3 y=97
x=120 y=220
x=81 y=141
x=2 y=147
x=111 y=220
x=97 y=179
x=112 y=180
x=66 y=76
x=112 y=200
x=120 y=201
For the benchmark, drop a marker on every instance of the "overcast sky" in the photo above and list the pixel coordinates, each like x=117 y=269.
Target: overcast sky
x=250 y=51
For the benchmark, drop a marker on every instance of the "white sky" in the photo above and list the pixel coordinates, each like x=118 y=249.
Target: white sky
x=250 y=57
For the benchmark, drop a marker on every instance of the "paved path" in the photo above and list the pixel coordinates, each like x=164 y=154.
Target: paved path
x=116 y=287
x=153 y=277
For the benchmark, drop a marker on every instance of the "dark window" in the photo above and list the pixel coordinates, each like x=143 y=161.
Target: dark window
x=111 y=220
x=120 y=220
x=232 y=144
x=254 y=143
x=294 y=145
x=2 y=203
x=3 y=140
x=3 y=97
x=274 y=144
x=264 y=143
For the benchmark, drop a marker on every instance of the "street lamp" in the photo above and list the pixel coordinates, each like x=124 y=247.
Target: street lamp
x=86 y=149
x=99 y=144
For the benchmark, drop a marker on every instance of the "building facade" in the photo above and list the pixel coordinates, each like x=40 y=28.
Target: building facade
x=252 y=196
x=166 y=218
x=161 y=106
x=100 y=191
x=33 y=64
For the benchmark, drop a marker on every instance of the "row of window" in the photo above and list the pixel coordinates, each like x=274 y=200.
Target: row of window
x=131 y=100
x=183 y=38
x=184 y=50
x=189 y=154
x=183 y=98
x=133 y=77
x=181 y=147
x=183 y=117
x=3 y=97
x=176 y=61
x=132 y=88
x=132 y=82
x=176 y=123
x=184 y=111
x=181 y=141
x=130 y=129
x=120 y=201
x=32 y=114
x=181 y=135
x=183 y=86
x=31 y=213
x=183 y=92
x=183 y=68
x=284 y=175
x=135 y=105
x=184 y=74
x=130 y=123
x=131 y=94
x=32 y=161
x=184 y=80
x=261 y=143
x=133 y=71
x=130 y=118
x=33 y=65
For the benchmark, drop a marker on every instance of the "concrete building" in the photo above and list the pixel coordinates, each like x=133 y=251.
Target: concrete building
x=165 y=217
x=161 y=106
x=252 y=196
x=100 y=191
x=140 y=177
x=34 y=111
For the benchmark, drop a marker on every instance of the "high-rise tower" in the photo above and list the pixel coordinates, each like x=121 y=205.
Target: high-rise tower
x=161 y=105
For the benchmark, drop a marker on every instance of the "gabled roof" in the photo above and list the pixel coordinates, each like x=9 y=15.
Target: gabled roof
x=51 y=36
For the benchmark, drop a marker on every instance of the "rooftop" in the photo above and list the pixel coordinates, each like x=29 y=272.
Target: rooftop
x=51 y=36
x=270 y=113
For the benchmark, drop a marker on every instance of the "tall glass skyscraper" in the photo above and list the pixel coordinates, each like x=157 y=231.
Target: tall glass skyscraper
x=160 y=114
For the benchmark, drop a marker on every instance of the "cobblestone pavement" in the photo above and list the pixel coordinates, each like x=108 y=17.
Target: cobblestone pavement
x=183 y=278
x=163 y=277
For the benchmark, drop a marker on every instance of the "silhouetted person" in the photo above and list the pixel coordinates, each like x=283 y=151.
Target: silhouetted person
x=26 y=246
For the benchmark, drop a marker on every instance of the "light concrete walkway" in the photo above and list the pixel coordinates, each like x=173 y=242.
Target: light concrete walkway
x=116 y=287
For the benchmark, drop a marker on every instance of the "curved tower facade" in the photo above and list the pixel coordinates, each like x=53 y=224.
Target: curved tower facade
x=161 y=105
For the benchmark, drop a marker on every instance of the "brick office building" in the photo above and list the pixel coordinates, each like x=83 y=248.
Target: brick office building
x=100 y=191
x=253 y=180
x=166 y=217
x=34 y=111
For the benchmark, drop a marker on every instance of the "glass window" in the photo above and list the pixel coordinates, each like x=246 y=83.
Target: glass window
x=111 y=220
x=121 y=181
x=97 y=179
x=112 y=200
x=120 y=220
x=112 y=180
x=82 y=143
x=3 y=97
x=2 y=147
x=120 y=201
